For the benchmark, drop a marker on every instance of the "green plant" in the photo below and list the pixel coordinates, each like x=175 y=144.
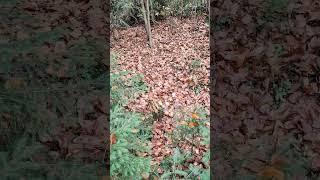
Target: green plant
x=127 y=12
x=125 y=162
x=195 y=64
x=173 y=167
x=131 y=136
x=194 y=67
x=123 y=11
x=193 y=127
x=123 y=89
x=177 y=166
x=175 y=160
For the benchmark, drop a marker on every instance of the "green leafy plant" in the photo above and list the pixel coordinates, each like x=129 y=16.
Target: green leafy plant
x=196 y=126
x=177 y=166
x=173 y=167
x=175 y=160
x=127 y=12
x=122 y=12
x=125 y=162
x=131 y=136
x=195 y=64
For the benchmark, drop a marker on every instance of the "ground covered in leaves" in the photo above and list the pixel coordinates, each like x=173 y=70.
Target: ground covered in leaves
x=266 y=95
x=176 y=70
x=53 y=90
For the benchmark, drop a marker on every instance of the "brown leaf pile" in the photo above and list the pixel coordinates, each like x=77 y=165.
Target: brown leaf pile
x=167 y=70
x=250 y=67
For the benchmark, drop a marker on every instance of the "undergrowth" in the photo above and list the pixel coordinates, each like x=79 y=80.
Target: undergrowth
x=129 y=136
x=178 y=165
x=127 y=12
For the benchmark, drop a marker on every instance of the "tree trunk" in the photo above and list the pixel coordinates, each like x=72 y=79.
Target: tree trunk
x=149 y=24
x=146 y=17
x=152 y=11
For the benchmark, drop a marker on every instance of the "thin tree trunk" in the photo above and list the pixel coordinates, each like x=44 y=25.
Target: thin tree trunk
x=144 y=13
x=146 y=17
x=149 y=25
x=152 y=11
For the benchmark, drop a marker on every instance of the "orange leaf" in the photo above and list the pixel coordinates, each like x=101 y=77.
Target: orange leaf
x=193 y=124
x=113 y=139
x=195 y=116
x=271 y=172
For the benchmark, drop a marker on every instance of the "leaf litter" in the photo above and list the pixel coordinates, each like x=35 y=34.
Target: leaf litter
x=176 y=71
x=265 y=98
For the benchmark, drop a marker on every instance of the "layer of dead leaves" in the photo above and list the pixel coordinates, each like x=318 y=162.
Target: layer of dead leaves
x=83 y=20
x=167 y=70
x=247 y=61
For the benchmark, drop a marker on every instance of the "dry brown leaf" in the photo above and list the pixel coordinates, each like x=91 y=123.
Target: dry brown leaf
x=271 y=172
x=113 y=139
x=14 y=83
x=195 y=116
x=134 y=130
x=193 y=124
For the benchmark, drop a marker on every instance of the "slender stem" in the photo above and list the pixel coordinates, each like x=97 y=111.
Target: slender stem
x=149 y=25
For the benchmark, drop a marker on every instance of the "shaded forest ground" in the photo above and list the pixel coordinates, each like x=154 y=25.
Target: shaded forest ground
x=265 y=101
x=53 y=89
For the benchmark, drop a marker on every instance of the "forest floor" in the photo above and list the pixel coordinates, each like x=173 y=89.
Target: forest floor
x=176 y=70
x=265 y=97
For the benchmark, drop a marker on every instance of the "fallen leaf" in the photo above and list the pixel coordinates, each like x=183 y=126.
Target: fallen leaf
x=134 y=130
x=14 y=83
x=113 y=139
x=183 y=123
x=278 y=162
x=193 y=124
x=271 y=172
x=195 y=116
x=145 y=176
